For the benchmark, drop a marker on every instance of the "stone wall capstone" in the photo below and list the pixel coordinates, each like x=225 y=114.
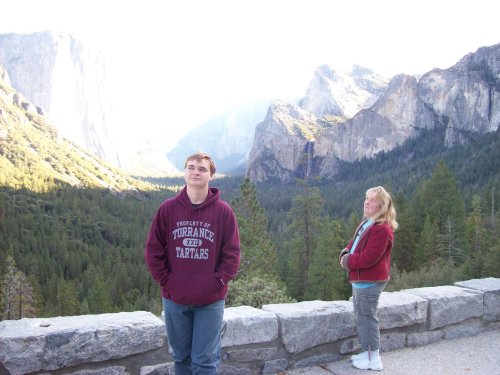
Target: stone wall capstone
x=450 y=304
x=489 y=287
x=273 y=339
x=300 y=322
x=29 y=345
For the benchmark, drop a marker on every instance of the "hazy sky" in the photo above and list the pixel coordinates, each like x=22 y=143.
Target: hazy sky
x=191 y=59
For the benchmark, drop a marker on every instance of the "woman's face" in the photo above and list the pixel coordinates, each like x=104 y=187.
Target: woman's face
x=371 y=206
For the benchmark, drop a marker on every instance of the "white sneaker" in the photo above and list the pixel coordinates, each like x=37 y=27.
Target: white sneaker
x=365 y=364
x=357 y=357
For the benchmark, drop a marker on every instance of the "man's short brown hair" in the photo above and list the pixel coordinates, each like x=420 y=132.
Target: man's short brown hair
x=199 y=156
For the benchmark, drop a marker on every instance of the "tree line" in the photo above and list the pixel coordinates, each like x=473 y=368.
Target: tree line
x=67 y=251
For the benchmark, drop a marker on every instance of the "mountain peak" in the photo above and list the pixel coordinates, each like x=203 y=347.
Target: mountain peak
x=339 y=93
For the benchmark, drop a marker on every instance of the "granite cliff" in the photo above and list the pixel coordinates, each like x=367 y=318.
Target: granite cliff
x=229 y=136
x=340 y=93
x=463 y=99
x=68 y=81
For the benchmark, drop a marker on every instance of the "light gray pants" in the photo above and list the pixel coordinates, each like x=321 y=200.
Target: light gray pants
x=365 y=301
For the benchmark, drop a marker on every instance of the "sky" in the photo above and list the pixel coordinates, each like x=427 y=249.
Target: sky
x=190 y=60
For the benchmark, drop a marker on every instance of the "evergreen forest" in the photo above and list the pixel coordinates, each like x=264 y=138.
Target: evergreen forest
x=71 y=250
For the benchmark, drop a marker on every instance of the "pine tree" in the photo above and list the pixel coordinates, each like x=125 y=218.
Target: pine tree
x=448 y=242
x=99 y=300
x=67 y=301
x=492 y=261
x=491 y=231
x=405 y=240
x=477 y=238
x=8 y=289
x=305 y=216
x=475 y=229
x=425 y=251
x=25 y=297
x=258 y=252
x=38 y=301
x=17 y=293
x=443 y=203
x=326 y=277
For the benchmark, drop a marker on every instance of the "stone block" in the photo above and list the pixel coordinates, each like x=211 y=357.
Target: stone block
x=304 y=325
x=349 y=345
x=317 y=360
x=491 y=288
x=423 y=338
x=392 y=341
x=275 y=366
x=161 y=369
x=399 y=309
x=255 y=354
x=449 y=304
x=114 y=370
x=29 y=345
x=471 y=327
x=248 y=325
x=232 y=370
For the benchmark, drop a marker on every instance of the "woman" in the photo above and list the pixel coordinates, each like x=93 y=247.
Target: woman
x=367 y=260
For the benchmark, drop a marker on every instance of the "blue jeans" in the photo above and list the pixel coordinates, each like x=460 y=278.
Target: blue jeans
x=194 y=334
x=365 y=301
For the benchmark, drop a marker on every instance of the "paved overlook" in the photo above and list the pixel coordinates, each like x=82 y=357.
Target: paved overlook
x=475 y=355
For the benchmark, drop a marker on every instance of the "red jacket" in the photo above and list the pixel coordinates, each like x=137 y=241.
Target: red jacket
x=371 y=260
x=193 y=252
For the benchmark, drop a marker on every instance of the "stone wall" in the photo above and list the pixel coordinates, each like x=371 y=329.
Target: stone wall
x=255 y=341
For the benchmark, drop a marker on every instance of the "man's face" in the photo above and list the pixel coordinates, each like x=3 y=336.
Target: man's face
x=197 y=173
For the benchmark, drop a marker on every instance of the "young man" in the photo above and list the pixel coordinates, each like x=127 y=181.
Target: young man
x=193 y=251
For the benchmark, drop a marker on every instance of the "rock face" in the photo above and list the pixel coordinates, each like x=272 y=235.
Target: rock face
x=229 y=136
x=67 y=80
x=463 y=100
x=334 y=92
x=466 y=97
x=395 y=117
x=281 y=142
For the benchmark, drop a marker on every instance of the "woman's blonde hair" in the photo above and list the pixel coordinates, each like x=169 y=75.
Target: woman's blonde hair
x=387 y=212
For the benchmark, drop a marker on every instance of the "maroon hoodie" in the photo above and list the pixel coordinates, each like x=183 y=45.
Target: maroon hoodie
x=193 y=252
